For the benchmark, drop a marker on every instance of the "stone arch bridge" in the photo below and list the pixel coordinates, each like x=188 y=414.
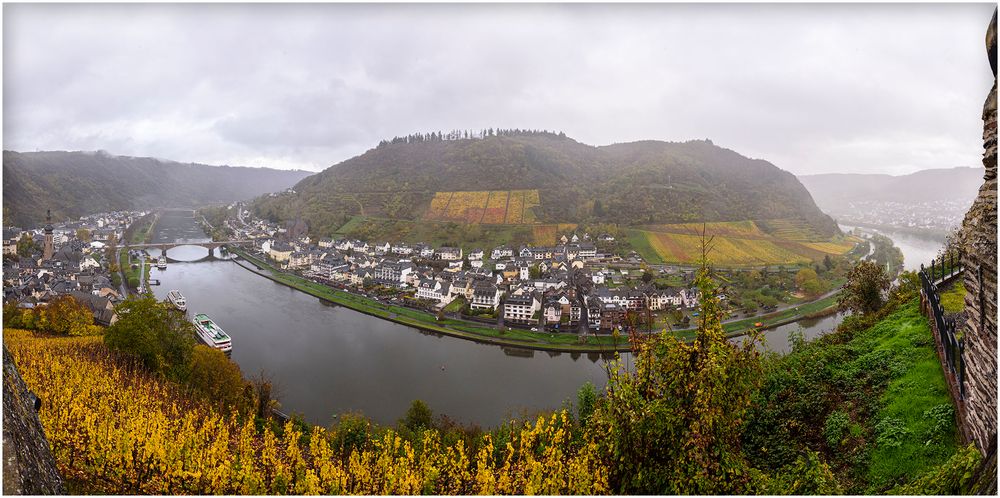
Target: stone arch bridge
x=210 y=245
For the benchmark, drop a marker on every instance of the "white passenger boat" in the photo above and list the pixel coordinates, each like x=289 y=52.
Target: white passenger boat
x=211 y=334
x=177 y=300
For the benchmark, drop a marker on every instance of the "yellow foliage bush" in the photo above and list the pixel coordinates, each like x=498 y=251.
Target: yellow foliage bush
x=115 y=429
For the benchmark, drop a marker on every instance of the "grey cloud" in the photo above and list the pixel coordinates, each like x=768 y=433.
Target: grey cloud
x=812 y=88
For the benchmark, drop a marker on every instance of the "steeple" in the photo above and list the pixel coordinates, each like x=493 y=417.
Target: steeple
x=47 y=249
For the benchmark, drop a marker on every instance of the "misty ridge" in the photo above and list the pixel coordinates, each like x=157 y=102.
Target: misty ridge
x=74 y=184
x=929 y=185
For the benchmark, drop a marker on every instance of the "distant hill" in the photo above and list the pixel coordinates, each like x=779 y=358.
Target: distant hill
x=831 y=190
x=525 y=178
x=73 y=184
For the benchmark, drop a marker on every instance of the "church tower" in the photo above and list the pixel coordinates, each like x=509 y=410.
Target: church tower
x=47 y=249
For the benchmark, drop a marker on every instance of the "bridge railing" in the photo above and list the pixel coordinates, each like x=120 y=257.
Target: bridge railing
x=944 y=327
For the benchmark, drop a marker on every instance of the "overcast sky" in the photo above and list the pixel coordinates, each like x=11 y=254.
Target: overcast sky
x=811 y=88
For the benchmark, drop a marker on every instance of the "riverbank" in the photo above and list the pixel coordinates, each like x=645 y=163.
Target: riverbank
x=518 y=338
x=815 y=309
x=132 y=279
x=928 y=233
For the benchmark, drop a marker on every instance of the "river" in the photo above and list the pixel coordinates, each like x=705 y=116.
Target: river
x=326 y=359
x=917 y=249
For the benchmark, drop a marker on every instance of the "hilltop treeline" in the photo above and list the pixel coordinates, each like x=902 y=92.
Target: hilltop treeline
x=437 y=136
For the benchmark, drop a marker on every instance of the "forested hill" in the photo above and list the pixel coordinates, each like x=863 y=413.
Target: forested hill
x=73 y=184
x=942 y=184
x=547 y=178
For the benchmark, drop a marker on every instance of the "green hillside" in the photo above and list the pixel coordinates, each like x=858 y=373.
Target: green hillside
x=526 y=178
x=73 y=184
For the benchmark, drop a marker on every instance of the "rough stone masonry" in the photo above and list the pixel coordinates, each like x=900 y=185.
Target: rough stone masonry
x=979 y=246
x=28 y=466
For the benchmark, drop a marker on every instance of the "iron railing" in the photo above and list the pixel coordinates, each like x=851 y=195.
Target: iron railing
x=944 y=267
x=941 y=270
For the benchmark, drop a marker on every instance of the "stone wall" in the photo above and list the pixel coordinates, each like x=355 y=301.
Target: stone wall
x=28 y=466
x=979 y=244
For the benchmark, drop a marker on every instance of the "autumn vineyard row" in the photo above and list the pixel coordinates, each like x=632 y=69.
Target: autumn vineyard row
x=115 y=429
x=495 y=207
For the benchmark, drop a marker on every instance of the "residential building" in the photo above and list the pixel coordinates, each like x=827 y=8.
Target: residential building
x=449 y=253
x=485 y=295
x=501 y=252
x=280 y=251
x=434 y=290
x=521 y=308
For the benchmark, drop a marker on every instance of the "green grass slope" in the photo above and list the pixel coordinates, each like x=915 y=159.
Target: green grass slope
x=872 y=400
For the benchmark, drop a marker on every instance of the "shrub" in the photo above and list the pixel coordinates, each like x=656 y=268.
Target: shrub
x=119 y=430
x=418 y=417
x=865 y=289
x=586 y=400
x=890 y=432
x=673 y=427
x=351 y=433
x=218 y=378
x=63 y=315
x=953 y=477
x=835 y=427
x=809 y=475
x=151 y=332
x=942 y=419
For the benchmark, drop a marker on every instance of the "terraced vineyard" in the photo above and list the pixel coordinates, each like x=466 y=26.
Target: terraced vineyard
x=439 y=205
x=531 y=200
x=496 y=208
x=745 y=228
x=488 y=207
x=790 y=229
x=737 y=243
x=515 y=208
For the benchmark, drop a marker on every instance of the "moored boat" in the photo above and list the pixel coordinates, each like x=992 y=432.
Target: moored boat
x=177 y=300
x=211 y=334
x=162 y=263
